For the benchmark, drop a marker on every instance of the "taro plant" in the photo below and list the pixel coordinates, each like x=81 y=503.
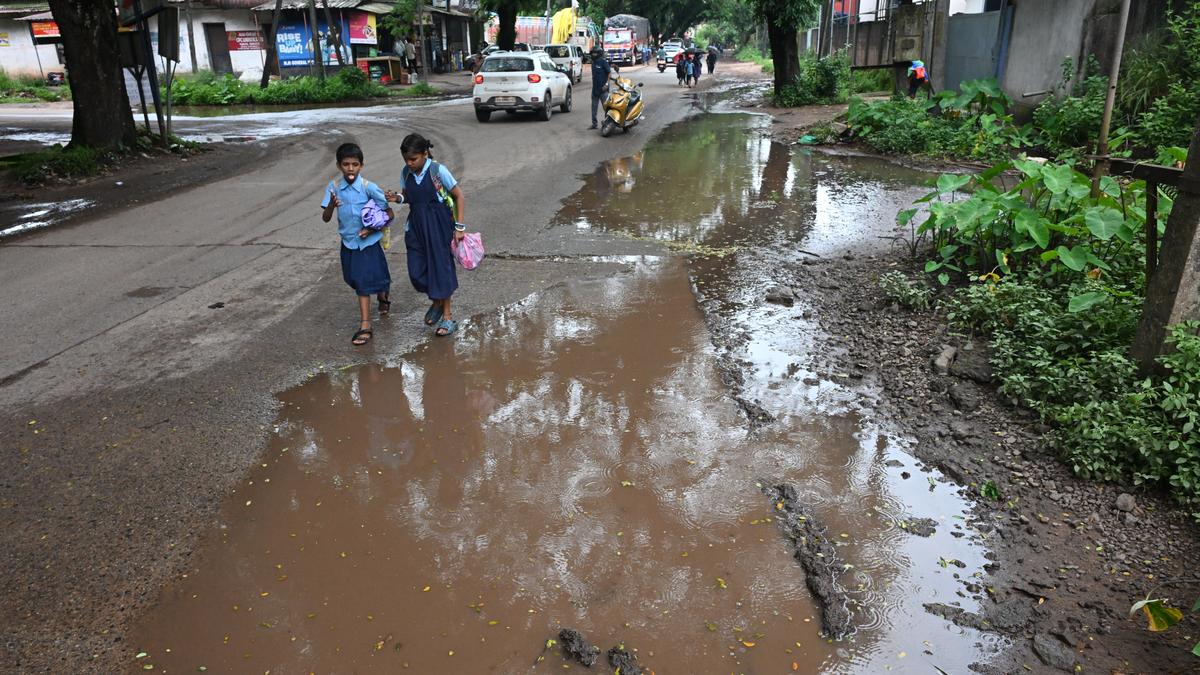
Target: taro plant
x=1047 y=224
x=1160 y=616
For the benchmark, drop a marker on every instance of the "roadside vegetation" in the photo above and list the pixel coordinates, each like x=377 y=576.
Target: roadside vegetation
x=206 y=88
x=1056 y=278
x=27 y=89
x=60 y=162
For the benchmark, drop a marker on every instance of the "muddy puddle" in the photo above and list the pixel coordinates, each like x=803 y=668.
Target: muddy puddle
x=576 y=460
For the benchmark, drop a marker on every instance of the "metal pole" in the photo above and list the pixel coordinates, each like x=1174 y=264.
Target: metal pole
x=421 y=41
x=33 y=39
x=151 y=71
x=1114 y=71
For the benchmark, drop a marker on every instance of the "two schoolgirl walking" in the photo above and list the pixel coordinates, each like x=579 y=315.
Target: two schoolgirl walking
x=436 y=204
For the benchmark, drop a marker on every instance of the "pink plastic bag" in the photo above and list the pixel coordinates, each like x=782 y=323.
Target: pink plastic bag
x=469 y=251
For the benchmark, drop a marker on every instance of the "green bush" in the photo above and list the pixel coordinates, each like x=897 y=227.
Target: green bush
x=898 y=288
x=1073 y=122
x=750 y=53
x=1171 y=118
x=208 y=89
x=1075 y=371
x=820 y=81
x=28 y=88
x=871 y=81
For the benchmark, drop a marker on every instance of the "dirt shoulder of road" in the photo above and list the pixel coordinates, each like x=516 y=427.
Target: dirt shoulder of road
x=1069 y=556
x=137 y=178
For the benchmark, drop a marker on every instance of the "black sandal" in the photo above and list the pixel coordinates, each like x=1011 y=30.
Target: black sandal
x=361 y=337
x=385 y=303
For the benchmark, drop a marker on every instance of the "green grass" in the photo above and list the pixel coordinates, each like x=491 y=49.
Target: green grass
x=29 y=89
x=56 y=162
x=749 y=53
x=206 y=88
x=419 y=89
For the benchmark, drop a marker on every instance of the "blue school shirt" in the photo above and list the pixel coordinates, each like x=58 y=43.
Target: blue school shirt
x=354 y=197
x=444 y=175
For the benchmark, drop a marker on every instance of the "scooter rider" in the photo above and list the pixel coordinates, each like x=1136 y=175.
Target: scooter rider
x=600 y=73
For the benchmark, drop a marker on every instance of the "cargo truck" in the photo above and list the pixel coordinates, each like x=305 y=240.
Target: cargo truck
x=625 y=35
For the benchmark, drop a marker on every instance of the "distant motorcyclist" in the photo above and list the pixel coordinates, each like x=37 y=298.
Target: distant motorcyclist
x=600 y=74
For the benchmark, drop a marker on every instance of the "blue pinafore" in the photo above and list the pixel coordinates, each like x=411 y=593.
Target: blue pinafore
x=430 y=229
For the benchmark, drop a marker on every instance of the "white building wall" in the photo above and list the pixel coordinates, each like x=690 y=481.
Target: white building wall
x=234 y=20
x=17 y=55
x=966 y=6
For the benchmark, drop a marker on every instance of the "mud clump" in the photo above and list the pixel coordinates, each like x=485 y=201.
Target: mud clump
x=575 y=647
x=817 y=555
x=623 y=662
x=922 y=527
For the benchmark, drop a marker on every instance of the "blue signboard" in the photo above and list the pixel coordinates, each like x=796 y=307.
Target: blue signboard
x=294 y=43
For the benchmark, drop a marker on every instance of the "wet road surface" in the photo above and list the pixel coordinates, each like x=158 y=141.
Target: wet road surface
x=577 y=459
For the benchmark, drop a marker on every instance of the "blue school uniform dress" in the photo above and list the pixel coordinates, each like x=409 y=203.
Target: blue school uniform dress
x=364 y=267
x=428 y=233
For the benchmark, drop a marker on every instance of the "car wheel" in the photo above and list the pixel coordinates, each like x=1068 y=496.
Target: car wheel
x=547 y=110
x=566 y=104
x=483 y=115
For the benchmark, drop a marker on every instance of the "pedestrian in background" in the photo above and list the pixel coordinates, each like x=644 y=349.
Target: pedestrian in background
x=364 y=267
x=435 y=217
x=681 y=67
x=600 y=72
x=410 y=54
x=712 y=57
x=697 y=66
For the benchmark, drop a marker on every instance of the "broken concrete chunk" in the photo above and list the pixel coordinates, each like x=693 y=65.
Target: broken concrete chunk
x=941 y=363
x=781 y=295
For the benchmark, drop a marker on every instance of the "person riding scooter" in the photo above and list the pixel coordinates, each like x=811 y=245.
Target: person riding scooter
x=623 y=107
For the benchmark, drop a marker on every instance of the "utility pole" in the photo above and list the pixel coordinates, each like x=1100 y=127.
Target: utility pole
x=1114 y=71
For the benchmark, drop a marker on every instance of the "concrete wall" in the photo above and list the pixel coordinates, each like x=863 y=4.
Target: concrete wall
x=1043 y=34
x=234 y=20
x=17 y=55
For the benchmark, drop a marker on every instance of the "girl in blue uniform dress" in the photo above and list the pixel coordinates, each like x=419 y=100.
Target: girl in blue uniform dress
x=427 y=187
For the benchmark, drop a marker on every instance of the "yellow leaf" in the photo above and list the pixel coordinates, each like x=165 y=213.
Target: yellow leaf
x=748 y=644
x=493 y=622
x=425 y=590
x=626 y=483
x=721 y=583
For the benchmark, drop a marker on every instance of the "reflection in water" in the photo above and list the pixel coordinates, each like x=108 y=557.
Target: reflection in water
x=575 y=460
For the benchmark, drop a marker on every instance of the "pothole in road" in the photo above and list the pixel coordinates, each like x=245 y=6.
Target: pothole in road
x=575 y=460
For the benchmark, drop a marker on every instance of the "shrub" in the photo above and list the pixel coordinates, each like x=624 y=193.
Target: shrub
x=208 y=89
x=1073 y=122
x=907 y=293
x=871 y=81
x=57 y=161
x=28 y=88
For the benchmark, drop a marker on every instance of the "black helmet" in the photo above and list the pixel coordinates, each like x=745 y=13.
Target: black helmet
x=596 y=51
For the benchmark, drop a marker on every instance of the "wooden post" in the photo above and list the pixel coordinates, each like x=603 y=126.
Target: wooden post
x=1114 y=71
x=1173 y=293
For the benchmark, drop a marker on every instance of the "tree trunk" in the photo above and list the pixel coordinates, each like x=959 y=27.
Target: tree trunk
x=102 y=117
x=785 y=55
x=318 y=57
x=335 y=33
x=187 y=8
x=272 y=50
x=507 y=12
x=1173 y=293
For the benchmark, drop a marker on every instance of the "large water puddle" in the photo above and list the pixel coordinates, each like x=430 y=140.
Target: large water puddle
x=575 y=460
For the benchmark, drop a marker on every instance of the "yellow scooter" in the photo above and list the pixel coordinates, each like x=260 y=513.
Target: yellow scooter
x=623 y=107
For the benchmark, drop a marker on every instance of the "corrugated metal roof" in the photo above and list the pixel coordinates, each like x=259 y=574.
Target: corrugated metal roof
x=23 y=7
x=269 y=6
x=376 y=7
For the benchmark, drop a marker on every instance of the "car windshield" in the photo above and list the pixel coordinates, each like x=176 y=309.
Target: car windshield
x=507 y=64
x=558 y=51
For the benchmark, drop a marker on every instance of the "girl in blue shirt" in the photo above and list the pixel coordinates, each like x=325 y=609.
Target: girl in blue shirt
x=364 y=267
x=427 y=187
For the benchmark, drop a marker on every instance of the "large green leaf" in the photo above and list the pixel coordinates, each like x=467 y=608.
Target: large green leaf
x=1058 y=177
x=1079 y=189
x=948 y=182
x=1075 y=258
x=1028 y=167
x=1158 y=615
x=1085 y=301
x=1103 y=222
x=1032 y=223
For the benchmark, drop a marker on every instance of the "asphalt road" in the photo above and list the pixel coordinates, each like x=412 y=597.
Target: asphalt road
x=143 y=347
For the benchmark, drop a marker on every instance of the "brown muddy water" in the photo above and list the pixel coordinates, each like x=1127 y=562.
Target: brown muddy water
x=574 y=460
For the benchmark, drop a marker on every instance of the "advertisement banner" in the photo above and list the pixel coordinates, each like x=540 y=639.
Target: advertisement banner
x=44 y=29
x=293 y=41
x=362 y=29
x=244 y=40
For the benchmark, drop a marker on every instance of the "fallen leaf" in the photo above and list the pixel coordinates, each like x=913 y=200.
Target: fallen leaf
x=626 y=483
x=748 y=644
x=721 y=583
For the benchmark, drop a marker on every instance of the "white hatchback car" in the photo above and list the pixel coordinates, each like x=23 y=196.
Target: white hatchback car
x=520 y=82
x=570 y=57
